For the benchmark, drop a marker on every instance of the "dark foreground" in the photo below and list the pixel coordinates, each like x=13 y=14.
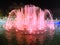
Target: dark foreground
x=55 y=41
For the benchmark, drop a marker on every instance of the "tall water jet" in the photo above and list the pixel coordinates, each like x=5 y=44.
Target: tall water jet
x=29 y=23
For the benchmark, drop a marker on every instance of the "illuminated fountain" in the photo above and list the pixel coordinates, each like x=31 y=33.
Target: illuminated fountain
x=30 y=23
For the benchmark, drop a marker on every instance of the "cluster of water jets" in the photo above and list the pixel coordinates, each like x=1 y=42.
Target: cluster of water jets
x=30 y=20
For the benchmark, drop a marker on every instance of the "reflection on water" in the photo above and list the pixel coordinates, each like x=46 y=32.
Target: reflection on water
x=4 y=41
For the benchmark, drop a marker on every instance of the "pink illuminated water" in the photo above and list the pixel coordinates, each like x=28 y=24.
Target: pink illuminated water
x=31 y=21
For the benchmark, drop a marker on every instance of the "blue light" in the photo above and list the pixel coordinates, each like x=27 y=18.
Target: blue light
x=57 y=23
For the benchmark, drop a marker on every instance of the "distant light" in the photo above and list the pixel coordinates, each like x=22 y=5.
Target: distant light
x=57 y=23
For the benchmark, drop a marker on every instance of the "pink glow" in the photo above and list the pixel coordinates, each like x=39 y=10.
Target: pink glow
x=28 y=18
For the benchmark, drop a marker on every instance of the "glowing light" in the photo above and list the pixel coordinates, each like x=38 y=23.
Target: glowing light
x=29 y=20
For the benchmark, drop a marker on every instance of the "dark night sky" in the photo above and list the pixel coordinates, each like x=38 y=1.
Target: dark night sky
x=42 y=3
x=50 y=4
